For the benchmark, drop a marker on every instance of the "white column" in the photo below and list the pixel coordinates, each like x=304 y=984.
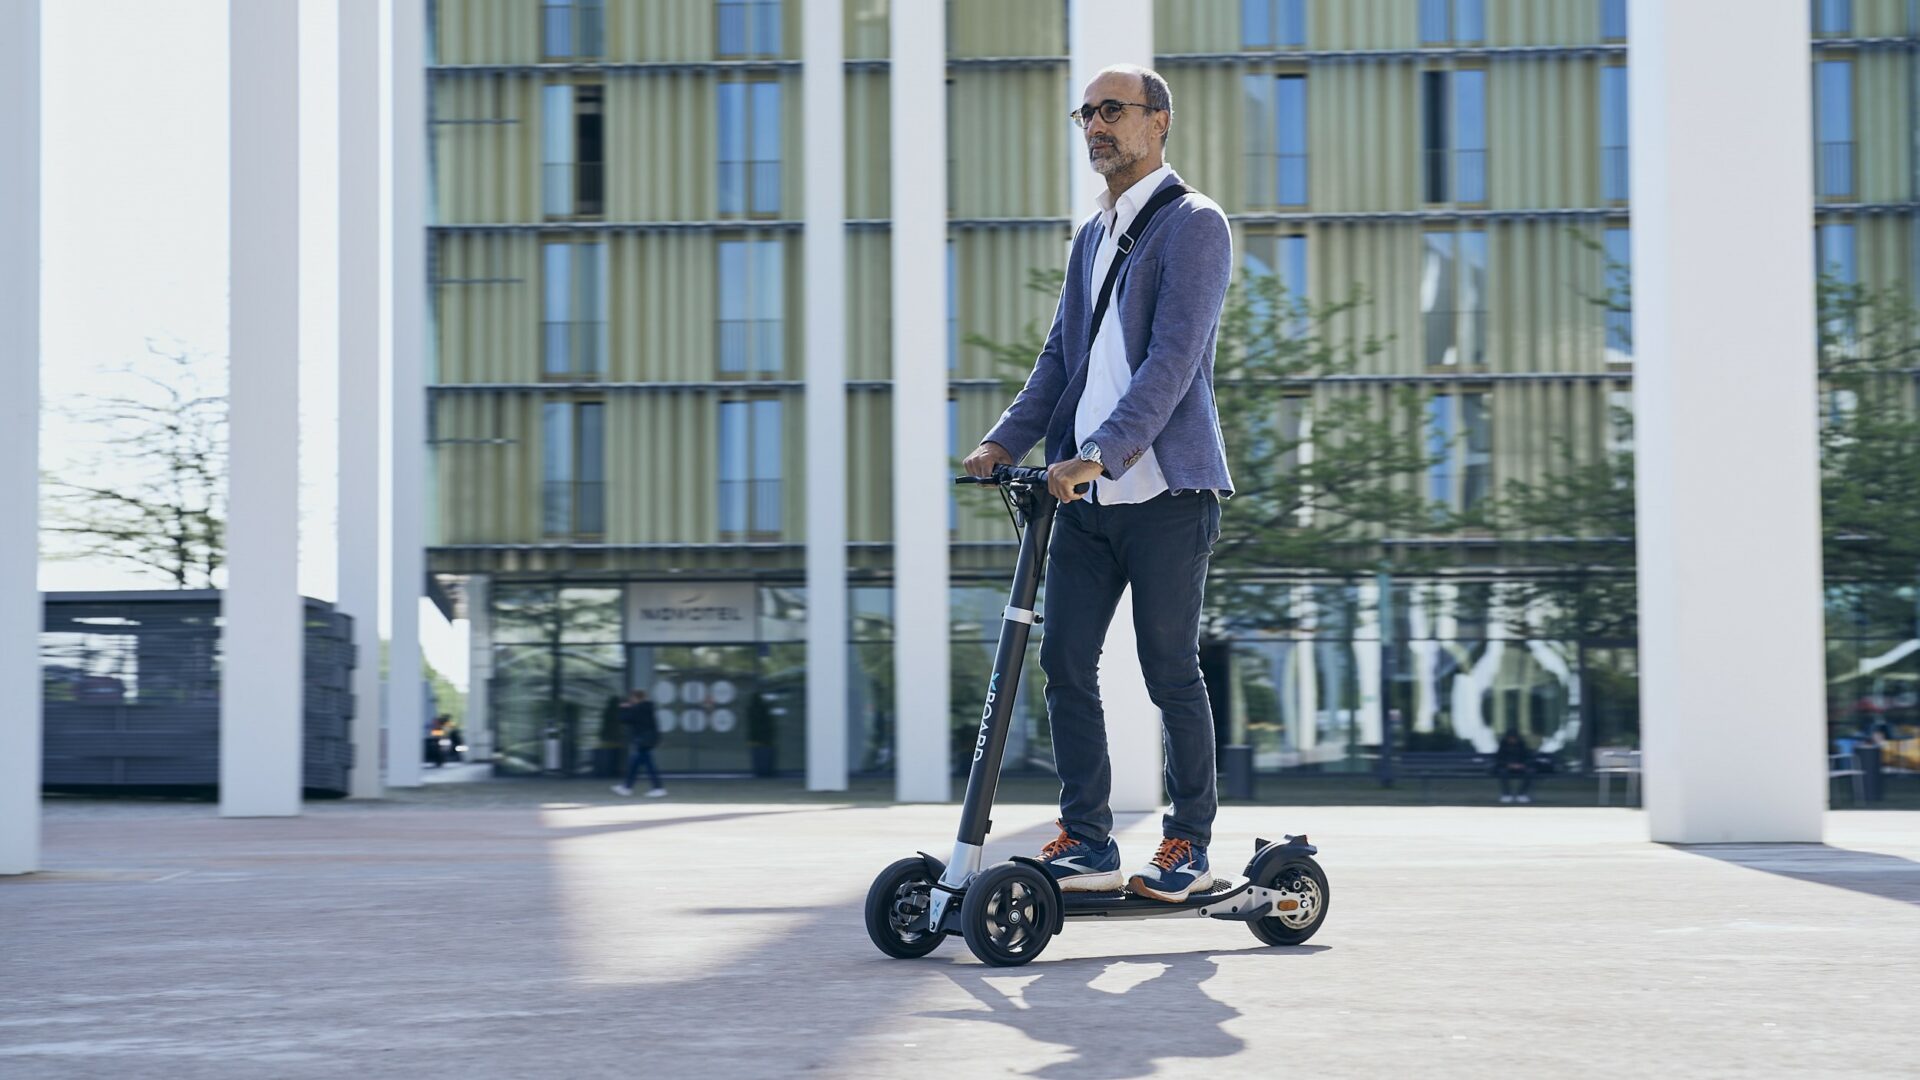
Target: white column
x=918 y=153
x=479 y=726
x=1730 y=633
x=359 y=431
x=261 y=669
x=1098 y=36
x=407 y=285
x=20 y=611
x=823 y=89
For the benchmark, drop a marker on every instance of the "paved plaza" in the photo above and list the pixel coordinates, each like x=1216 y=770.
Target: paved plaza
x=489 y=930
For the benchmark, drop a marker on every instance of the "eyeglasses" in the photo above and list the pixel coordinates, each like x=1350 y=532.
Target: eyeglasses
x=1109 y=110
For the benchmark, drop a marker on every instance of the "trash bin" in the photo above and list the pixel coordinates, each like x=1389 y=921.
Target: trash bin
x=1868 y=759
x=1237 y=763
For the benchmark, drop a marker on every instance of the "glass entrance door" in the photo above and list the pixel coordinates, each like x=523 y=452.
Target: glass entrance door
x=701 y=696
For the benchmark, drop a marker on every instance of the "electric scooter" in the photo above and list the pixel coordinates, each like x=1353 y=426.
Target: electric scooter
x=1008 y=912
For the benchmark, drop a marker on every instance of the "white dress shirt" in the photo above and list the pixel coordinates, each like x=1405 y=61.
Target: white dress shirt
x=1108 y=374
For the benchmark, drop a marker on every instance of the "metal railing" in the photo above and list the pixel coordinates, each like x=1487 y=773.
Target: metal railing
x=1835 y=169
x=749 y=508
x=749 y=187
x=574 y=30
x=573 y=188
x=573 y=508
x=1614 y=174
x=748 y=28
x=1456 y=337
x=574 y=349
x=751 y=346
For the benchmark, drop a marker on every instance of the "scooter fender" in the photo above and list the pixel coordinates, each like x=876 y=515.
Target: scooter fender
x=1268 y=852
x=935 y=868
x=1059 y=901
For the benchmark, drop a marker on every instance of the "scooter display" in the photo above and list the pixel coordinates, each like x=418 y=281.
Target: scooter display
x=1008 y=912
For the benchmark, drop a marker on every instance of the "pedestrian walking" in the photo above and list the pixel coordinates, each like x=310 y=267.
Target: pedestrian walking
x=643 y=734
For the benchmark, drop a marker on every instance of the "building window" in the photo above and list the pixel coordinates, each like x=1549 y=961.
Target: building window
x=1273 y=24
x=1833 y=16
x=1839 y=268
x=749 y=148
x=1613 y=20
x=1613 y=133
x=753 y=298
x=1460 y=440
x=1276 y=154
x=953 y=308
x=574 y=151
x=1619 y=253
x=1453 y=299
x=1283 y=259
x=573 y=29
x=574 y=311
x=1833 y=102
x=1454 y=119
x=747 y=28
x=1453 y=22
x=573 y=437
x=750 y=466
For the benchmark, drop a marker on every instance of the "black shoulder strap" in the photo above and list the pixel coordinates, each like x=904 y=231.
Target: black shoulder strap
x=1125 y=246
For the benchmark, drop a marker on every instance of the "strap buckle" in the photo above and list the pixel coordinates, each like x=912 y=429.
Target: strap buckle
x=1125 y=243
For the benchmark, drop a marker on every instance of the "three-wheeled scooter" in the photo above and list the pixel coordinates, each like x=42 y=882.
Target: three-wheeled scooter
x=1008 y=912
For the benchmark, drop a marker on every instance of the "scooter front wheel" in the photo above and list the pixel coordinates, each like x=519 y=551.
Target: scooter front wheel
x=897 y=910
x=1008 y=915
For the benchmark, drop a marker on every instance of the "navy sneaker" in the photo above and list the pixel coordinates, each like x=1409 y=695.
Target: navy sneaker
x=1081 y=867
x=1178 y=870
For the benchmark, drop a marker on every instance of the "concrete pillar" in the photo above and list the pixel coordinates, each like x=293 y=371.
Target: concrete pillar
x=823 y=88
x=20 y=611
x=1731 y=655
x=407 y=285
x=1099 y=35
x=359 y=430
x=918 y=152
x=261 y=670
x=479 y=725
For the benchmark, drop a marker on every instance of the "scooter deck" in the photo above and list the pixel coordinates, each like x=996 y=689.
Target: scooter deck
x=1121 y=903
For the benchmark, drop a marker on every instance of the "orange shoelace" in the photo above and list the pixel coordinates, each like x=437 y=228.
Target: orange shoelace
x=1172 y=853
x=1059 y=844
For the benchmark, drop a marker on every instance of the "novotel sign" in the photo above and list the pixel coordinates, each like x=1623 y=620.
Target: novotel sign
x=672 y=611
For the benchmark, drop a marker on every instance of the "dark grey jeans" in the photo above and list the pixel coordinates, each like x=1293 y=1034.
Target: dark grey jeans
x=1161 y=548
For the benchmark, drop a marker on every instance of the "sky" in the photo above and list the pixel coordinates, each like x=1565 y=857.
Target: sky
x=134 y=241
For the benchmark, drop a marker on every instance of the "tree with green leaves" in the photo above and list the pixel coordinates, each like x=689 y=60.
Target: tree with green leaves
x=1322 y=470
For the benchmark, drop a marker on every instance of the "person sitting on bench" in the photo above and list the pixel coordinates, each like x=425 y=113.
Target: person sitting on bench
x=1513 y=764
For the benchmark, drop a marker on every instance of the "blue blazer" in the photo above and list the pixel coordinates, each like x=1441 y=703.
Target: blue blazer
x=1168 y=299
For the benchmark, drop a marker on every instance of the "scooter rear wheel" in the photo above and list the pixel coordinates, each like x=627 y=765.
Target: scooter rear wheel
x=897 y=910
x=1306 y=884
x=1008 y=915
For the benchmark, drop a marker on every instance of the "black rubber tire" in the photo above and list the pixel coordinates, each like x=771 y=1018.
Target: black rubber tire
x=1008 y=914
x=1292 y=929
x=903 y=882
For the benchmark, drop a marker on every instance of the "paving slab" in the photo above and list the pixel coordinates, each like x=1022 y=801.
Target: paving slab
x=670 y=938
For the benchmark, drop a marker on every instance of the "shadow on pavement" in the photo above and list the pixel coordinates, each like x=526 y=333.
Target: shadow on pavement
x=1125 y=1028
x=574 y=831
x=1888 y=876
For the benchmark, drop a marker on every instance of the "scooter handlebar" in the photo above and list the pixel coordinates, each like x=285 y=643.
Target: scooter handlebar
x=1015 y=474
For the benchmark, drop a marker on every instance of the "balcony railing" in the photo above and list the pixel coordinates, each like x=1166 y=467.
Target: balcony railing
x=1836 y=169
x=1614 y=173
x=749 y=187
x=574 y=349
x=573 y=508
x=574 y=31
x=1456 y=338
x=751 y=346
x=748 y=28
x=573 y=188
x=749 y=508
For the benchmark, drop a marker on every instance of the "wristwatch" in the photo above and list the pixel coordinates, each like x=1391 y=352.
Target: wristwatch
x=1090 y=451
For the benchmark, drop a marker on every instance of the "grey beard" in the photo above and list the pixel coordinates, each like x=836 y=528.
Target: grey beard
x=1112 y=163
